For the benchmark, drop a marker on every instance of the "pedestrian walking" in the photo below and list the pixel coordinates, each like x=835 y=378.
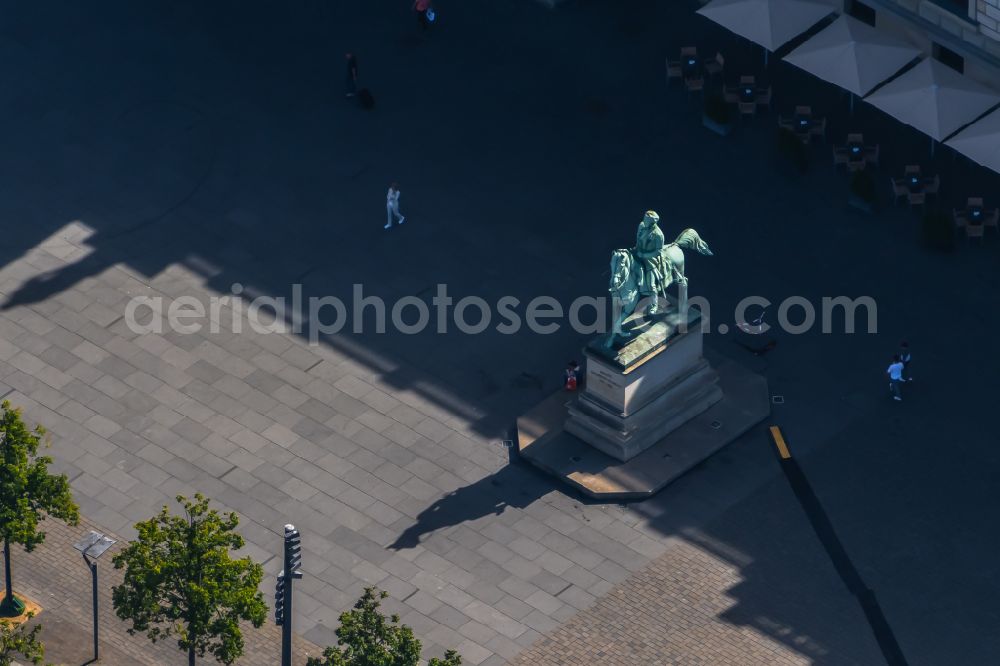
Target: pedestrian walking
x=905 y=357
x=424 y=12
x=392 y=206
x=895 y=373
x=352 y=75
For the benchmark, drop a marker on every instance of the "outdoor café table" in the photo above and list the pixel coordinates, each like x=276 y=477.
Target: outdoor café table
x=690 y=66
x=855 y=152
x=915 y=183
x=975 y=214
x=748 y=94
x=802 y=124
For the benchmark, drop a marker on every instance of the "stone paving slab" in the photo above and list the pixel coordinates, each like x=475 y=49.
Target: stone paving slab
x=341 y=460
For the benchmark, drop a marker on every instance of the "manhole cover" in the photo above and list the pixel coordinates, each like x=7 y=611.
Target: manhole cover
x=716 y=425
x=778 y=399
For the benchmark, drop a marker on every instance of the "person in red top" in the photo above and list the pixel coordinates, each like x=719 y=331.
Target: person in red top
x=421 y=7
x=572 y=376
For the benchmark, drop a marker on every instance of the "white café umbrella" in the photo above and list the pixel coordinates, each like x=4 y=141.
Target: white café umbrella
x=770 y=23
x=853 y=55
x=934 y=98
x=980 y=141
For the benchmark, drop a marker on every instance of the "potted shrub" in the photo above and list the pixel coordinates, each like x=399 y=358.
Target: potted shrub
x=718 y=115
x=862 y=190
x=792 y=150
x=937 y=232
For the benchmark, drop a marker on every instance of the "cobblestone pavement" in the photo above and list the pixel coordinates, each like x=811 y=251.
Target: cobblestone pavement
x=667 y=614
x=687 y=607
x=55 y=576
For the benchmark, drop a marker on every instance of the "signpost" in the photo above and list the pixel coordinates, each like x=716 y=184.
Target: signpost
x=283 y=591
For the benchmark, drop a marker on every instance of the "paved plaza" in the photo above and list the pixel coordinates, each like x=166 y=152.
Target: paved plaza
x=177 y=149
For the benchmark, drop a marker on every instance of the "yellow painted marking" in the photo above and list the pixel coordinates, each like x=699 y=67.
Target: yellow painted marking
x=779 y=441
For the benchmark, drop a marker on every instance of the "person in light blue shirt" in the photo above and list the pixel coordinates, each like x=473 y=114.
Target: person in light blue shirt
x=895 y=373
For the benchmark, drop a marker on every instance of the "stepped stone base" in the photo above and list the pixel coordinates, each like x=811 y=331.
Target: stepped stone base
x=544 y=441
x=638 y=393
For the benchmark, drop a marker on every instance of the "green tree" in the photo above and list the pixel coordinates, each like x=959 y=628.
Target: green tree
x=180 y=580
x=28 y=493
x=366 y=637
x=17 y=641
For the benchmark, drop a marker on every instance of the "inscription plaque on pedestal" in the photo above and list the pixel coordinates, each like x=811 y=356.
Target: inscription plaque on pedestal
x=638 y=393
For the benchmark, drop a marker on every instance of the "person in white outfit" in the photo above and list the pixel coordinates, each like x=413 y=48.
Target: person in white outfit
x=392 y=206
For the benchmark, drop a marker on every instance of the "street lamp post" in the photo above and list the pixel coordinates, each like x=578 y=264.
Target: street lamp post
x=93 y=545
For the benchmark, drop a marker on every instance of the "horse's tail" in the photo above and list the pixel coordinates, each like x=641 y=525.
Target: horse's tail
x=690 y=240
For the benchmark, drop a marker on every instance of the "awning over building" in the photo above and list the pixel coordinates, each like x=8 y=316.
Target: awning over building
x=770 y=23
x=980 y=141
x=934 y=98
x=853 y=55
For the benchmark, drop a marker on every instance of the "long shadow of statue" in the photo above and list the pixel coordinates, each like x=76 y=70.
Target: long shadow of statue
x=106 y=251
x=515 y=486
x=44 y=285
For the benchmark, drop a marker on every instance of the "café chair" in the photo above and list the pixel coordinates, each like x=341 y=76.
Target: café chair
x=856 y=138
x=841 y=156
x=715 y=65
x=871 y=155
x=916 y=198
x=748 y=109
x=803 y=111
x=689 y=51
x=993 y=220
x=899 y=189
x=856 y=165
x=764 y=98
x=959 y=217
x=911 y=169
x=819 y=129
x=974 y=231
x=694 y=84
x=933 y=186
x=974 y=202
x=786 y=123
x=748 y=80
x=731 y=95
x=674 y=70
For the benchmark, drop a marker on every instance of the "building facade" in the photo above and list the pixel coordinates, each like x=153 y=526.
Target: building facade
x=964 y=34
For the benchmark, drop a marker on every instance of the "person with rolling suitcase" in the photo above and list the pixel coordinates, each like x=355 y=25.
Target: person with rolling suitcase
x=425 y=13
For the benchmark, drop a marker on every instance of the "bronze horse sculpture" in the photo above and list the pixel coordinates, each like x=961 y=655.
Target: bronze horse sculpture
x=626 y=277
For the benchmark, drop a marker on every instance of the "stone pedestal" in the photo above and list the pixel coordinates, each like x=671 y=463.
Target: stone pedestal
x=638 y=392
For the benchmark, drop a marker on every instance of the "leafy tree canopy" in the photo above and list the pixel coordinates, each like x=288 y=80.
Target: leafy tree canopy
x=366 y=637
x=181 y=581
